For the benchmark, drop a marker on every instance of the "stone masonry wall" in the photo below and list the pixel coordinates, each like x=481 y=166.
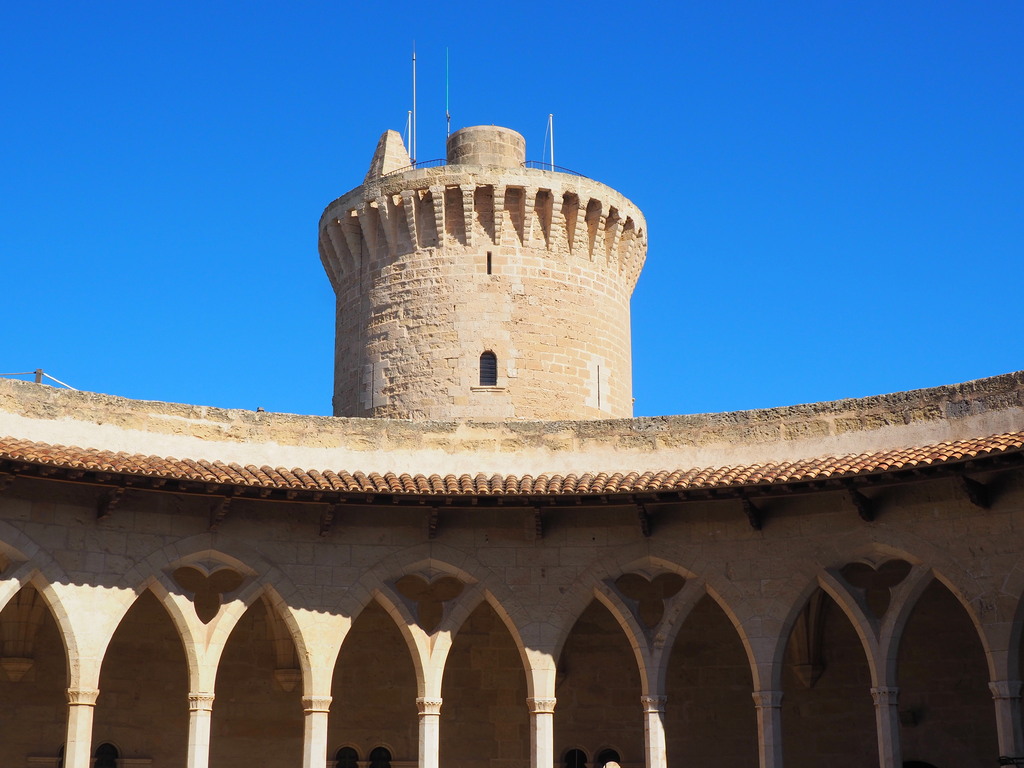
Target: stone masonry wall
x=89 y=420
x=435 y=266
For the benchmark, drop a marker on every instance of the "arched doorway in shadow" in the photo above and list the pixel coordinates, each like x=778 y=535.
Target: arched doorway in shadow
x=946 y=711
x=828 y=716
x=33 y=680
x=484 y=719
x=709 y=712
x=257 y=713
x=598 y=690
x=143 y=701
x=374 y=690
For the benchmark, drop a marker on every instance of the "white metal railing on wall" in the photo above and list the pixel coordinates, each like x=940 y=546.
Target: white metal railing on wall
x=39 y=375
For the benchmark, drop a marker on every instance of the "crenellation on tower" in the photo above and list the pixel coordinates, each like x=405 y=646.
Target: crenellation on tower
x=434 y=266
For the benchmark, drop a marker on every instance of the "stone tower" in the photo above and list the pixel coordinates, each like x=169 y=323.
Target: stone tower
x=480 y=288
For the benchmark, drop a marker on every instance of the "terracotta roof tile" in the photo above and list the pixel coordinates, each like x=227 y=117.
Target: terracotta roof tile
x=279 y=478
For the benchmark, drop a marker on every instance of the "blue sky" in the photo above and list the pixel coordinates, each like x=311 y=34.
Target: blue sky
x=833 y=191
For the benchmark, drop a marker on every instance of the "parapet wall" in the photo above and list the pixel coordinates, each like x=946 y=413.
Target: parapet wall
x=921 y=417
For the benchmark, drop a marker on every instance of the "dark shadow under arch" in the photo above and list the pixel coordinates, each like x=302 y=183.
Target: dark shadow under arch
x=827 y=712
x=257 y=710
x=33 y=702
x=945 y=705
x=484 y=717
x=709 y=715
x=598 y=688
x=143 y=686
x=374 y=687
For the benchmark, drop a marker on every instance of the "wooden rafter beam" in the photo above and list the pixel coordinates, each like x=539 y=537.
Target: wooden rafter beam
x=644 y=516
x=865 y=507
x=219 y=512
x=327 y=518
x=432 y=521
x=108 y=502
x=977 y=493
x=538 y=523
x=754 y=515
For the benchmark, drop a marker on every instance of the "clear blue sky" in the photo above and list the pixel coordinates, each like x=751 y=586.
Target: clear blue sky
x=834 y=191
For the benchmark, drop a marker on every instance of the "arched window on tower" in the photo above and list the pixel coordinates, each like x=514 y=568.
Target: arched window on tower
x=380 y=757
x=606 y=756
x=575 y=758
x=105 y=756
x=346 y=757
x=488 y=369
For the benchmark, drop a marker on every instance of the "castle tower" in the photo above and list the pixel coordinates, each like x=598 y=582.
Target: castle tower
x=481 y=288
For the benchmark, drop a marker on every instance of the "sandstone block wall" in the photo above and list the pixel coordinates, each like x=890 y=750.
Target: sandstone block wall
x=541 y=618
x=433 y=267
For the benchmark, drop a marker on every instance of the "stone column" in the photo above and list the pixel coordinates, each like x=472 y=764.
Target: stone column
x=200 y=709
x=314 y=742
x=654 y=731
x=78 y=747
x=887 y=725
x=769 y=728
x=430 y=732
x=542 y=732
x=1006 y=695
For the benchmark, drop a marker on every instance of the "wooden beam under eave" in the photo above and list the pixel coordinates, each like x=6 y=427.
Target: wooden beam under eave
x=327 y=518
x=977 y=493
x=219 y=512
x=865 y=507
x=108 y=502
x=644 y=516
x=432 y=521
x=754 y=515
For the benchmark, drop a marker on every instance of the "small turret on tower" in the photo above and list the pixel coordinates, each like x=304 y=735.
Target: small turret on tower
x=481 y=288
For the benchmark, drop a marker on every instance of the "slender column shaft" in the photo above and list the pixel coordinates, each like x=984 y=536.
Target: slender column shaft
x=314 y=741
x=200 y=710
x=542 y=732
x=769 y=728
x=1006 y=695
x=654 y=731
x=887 y=726
x=430 y=732
x=78 y=747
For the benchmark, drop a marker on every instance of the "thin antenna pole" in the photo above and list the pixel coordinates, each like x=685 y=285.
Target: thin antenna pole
x=544 y=149
x=408 y=129
x=447 y=112
x=414 y=102
x=551 y=130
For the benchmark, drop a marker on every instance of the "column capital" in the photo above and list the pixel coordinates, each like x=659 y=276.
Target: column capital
x=541 y=706
x=767 y=699
x=200 y=701
x=1005 y=689
x=428 y=706
x=653 y=703
x=82 y=697
x=885 y=695
x=316 y=704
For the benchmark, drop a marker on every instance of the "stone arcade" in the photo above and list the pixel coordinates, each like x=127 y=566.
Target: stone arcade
x=529 y=578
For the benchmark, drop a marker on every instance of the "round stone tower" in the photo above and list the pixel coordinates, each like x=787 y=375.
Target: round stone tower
x=481 y=288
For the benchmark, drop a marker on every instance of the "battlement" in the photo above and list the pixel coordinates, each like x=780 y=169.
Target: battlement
x=470 y=206
x=437 y=265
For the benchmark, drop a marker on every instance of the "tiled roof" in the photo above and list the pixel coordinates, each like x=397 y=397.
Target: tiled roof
x=602 y=483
